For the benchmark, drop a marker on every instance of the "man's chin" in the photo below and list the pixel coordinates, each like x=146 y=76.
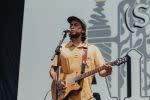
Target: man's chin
x=75 y=35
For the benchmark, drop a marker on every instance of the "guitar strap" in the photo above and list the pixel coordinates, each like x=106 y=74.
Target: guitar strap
x=84 y=56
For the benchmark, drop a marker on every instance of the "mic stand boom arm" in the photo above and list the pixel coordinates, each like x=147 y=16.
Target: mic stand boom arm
x=57 y=52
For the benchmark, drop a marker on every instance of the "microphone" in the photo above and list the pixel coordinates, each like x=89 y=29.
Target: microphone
x=66 y=31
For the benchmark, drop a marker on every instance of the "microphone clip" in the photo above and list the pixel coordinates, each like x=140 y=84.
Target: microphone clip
x=66 y=31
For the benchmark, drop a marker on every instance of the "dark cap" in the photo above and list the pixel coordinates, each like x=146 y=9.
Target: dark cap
x=73 y=18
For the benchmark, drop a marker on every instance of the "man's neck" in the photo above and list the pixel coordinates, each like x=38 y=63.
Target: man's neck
x=77 y=41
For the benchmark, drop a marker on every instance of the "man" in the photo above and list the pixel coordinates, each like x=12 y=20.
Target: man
x=71 y=59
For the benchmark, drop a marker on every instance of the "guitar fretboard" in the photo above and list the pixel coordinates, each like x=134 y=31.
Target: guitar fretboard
x=89 y=73
x=92 y=72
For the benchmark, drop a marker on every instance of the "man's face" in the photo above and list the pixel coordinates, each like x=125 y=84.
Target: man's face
x=75 y=29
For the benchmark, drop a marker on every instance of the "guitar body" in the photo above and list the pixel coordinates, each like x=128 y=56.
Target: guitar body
x=70 y=86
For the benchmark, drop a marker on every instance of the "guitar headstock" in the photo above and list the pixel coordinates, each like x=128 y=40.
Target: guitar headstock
x=120 y=61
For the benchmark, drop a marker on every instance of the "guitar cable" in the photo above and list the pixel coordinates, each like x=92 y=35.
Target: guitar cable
x=47 y=94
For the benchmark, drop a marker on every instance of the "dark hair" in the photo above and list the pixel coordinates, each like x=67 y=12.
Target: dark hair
x=83 y=37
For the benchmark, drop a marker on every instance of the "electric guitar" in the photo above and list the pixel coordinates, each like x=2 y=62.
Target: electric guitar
x=71 y=80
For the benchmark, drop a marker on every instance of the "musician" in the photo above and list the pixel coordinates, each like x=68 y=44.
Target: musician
x=71 y=59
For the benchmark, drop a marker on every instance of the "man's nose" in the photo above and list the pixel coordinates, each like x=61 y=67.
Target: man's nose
x=72 y=26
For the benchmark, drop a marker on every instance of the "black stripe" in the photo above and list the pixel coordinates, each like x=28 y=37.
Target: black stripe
x=11 y=20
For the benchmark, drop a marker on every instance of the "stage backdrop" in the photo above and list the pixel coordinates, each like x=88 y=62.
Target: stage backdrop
x=117 y=27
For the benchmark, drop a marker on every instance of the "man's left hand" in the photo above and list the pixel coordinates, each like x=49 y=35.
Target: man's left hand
x=106 y=71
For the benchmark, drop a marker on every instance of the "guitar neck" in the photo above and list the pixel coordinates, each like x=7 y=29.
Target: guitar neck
x=92 y=72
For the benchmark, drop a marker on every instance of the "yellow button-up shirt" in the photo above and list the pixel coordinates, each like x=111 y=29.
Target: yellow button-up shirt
x=71 y=61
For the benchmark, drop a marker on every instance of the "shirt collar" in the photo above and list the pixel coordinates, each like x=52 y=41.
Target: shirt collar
x=83 y=45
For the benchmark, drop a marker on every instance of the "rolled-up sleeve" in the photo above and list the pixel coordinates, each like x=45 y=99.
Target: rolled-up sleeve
x=98 y=58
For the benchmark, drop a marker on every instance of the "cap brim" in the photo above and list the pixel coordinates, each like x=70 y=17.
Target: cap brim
x=71 y=18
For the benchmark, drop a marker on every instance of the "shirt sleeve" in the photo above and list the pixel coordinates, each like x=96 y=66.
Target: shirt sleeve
x=98 y=58
x=54 y=62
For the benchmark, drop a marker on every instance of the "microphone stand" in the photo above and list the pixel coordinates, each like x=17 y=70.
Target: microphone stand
x=57 y=52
